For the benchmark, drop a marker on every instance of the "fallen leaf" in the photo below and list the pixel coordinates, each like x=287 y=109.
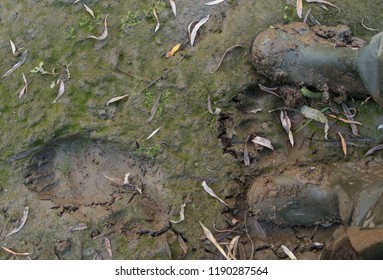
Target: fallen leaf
x=214 y=2
x=344 y=120
x=316 y=115
x=108 y=246
x=21 y=222
x=220 y=62
x=75 y=2
x=246 y=158
x=78 y=227
x=288 y=252
x=117 y=98
x=89 y=10
x=115 y=181
x=263 y=142
x=174 y=8
x=211 y=192
x=299 y=8
x=323 y=2
x=60 y=91
x=182 y=215
x=13 y=47
x=18 y=64
x=210 y=236
x=154 y=109
x=104 y=34
x=233 y=247
x=286 y=123
x=368 y=28
x=269 y=90
x=374 y=149
x=153 y=133
x=343 y=142
x=24 y=90
x=158 y=21
x=173 y=51
x=14 y=253
x=182 y=243
x=193 y=33
x=190 y=25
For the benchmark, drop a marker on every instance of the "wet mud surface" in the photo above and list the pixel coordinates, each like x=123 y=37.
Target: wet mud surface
x=67 y=161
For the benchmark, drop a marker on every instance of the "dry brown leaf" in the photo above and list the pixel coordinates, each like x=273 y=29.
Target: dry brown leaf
x=286 y=123
x=108 y=246
x=269 y=90
x=210 y=236
x=60 y=91
x=193 y=33
x=18 y=64
x=343 y=142
x=211 y=192
x=104 y=34
x=117 y=98
x=263 y=142
x=182 y=215
x=174 y=8
x=89 y=10
x=14 y=253
x=233 y=248
x=182 y=243
x=299 y=8
x=21 y=222
x=288 y=253
x=173 y=51
x=158 y=21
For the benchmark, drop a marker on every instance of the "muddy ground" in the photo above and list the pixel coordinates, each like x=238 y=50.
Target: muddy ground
x=56 y=158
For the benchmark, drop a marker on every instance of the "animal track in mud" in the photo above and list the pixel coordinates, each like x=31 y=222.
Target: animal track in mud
x=71 y=173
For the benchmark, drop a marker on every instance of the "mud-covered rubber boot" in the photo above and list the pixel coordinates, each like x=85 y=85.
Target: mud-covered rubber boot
x=326 y=58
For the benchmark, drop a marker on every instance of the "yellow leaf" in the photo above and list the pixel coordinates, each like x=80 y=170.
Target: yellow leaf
x=173 y=50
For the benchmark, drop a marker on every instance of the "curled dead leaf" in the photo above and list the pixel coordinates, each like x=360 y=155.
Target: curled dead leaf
x=212 y=193
x=117 y=98
x=263 y=142
x=210 y=236
x=343 y=142
x=193 y=33
x=21 y=223
x=105 y=33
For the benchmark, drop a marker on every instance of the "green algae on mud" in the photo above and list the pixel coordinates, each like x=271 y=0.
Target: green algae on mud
x=189 y=149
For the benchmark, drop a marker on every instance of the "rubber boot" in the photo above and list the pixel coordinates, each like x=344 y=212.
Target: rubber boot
x=325 y=58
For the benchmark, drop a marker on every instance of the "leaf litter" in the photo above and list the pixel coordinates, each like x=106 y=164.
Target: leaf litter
x=209 y=109
x=78 y=227
x=316 y=115
x=299 y=8
x=13 y=252
x=21 y=223
x=24 y=90
x=154 y=109
x=212 y=193
x=323 y=2
x=60 y=91
x=104 y=33
x=195 y=29
x=263 y=142
x=117 y=98
x=108 y=246
x=182 y=243
x=182 y=215
x=343 y=142
x=215 y=2
x=173 y=51
x=286 y=123
x=153 y=133
x=174 y=7
x=288 y=253
x=89 y=10
x=158 y=21
x=211 y=238
x=21 y=61
x=374 y=149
